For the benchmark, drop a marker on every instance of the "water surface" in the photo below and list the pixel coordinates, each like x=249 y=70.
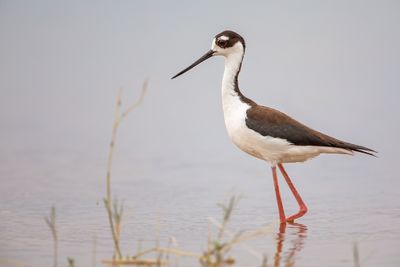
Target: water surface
x=164 y=198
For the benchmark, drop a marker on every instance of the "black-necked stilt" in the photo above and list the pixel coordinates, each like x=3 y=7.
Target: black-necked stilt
x=263 y=132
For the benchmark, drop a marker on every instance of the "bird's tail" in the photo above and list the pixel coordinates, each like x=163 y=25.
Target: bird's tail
x=360 y=149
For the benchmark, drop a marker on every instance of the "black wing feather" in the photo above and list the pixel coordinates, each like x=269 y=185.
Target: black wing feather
x=271 y=122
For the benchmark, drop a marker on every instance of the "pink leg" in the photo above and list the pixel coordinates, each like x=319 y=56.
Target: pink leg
x=303 y=207
x=278 y=196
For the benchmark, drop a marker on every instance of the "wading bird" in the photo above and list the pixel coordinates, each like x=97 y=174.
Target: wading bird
x=264 y=132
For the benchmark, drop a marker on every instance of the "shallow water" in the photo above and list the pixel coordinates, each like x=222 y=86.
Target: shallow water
x=174 y=198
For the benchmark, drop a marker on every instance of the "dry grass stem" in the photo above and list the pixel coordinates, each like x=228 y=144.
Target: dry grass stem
x=215 y=255
x=264 y=261
x=115 y=215
x=173 y=251
x=244 y=236
x=71 y=262
x=227 y=211
x=135 y=262
x=51 y=223
x=217 y=250
x=356 y=255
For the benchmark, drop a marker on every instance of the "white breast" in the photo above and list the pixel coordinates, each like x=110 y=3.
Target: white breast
x=262 y=147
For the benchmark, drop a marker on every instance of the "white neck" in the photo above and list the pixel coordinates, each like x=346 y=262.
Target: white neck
x=233 y=106
x=232 y=66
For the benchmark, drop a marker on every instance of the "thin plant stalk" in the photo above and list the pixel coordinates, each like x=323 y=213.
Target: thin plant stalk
x=71 y=262
x=118 y=117
x=227 y=212
x=51 y=223
x=356 y=255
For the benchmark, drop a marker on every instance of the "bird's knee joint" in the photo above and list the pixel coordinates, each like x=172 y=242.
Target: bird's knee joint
x=303 y=210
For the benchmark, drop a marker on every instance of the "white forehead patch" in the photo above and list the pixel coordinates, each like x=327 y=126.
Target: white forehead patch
x=213 y=45
x=223 y=37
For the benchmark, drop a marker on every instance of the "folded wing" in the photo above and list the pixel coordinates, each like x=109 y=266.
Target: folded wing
x=270 y=122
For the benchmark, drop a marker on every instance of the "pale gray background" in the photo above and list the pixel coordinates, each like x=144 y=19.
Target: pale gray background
x=334 y=65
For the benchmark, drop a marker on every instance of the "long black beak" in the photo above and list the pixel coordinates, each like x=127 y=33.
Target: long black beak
x=204 y=57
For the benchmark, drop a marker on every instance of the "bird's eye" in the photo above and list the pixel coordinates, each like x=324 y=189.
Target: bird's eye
x=222 y=43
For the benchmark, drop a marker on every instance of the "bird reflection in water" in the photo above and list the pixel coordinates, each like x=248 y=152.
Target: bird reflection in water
x=292 y=235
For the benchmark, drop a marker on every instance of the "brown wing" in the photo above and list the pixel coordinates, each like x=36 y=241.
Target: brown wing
x=271 y=122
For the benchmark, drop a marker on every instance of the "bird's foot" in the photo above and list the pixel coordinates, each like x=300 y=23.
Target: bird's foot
x=290 y=219
x=297 y=215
